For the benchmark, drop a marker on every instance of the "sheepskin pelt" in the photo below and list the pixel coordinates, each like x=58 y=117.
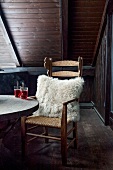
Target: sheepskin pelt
x=52 y=92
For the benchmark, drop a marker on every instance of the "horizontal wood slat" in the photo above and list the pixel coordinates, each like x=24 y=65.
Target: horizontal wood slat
x=84 y=3
x=65 y=74
x=29 y=16
x=36 y=24
x=20 y=20
x=33 y=1
x=89 y=10
x=33 y=11
x=65 y=63
x=25 y=5
x=35 y=29
x=86 y=14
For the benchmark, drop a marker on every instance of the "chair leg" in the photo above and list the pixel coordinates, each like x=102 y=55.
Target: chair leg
x=46 y=133
x=75 y=134
x=64 y=147
x=23 y=136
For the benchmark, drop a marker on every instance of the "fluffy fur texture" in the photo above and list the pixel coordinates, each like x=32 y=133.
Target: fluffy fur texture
x=52 y=92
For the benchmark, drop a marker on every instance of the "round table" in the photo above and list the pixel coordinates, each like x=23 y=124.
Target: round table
x=12 y=107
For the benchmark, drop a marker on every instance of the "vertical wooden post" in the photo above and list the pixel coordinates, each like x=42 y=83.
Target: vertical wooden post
x=64 y=29
x=50 y=67
x=23 y=136
x=108 y=72
x=75 y=135
x=46 y=133
x=64 y=135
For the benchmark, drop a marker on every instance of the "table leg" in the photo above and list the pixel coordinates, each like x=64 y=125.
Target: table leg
x=7 y=158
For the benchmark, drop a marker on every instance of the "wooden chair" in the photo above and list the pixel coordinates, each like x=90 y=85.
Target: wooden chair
x=54 y=122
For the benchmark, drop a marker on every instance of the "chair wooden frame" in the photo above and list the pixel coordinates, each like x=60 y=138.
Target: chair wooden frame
x=49 y=64
x=63 y=121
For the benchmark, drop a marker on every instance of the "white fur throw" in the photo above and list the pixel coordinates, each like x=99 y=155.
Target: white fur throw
x=52 y=92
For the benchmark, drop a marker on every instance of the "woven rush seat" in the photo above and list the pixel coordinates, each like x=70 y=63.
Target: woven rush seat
x=45 y=121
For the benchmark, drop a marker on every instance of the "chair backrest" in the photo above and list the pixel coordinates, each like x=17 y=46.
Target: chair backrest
x=74 y=68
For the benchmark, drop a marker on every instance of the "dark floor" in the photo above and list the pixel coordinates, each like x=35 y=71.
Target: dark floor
x=95 y=149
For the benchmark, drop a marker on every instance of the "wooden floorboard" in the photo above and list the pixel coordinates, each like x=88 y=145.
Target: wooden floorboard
x=95 y=149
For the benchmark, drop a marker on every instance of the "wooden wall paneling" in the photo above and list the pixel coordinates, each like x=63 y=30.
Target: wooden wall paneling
x=31 y=1
x=87 y=94
x=87 y=4
x=26 y=5
x=110 y=7
x=108 y=71
x=100 y=79
x=100 y=32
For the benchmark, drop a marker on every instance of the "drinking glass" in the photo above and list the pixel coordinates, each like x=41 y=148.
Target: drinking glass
x=24 y=92
x=17 y=91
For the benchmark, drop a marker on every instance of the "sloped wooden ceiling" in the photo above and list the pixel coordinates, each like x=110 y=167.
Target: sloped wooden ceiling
x=84 y=22
x=36 y=28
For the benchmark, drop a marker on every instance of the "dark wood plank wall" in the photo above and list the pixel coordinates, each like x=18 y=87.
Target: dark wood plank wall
x=87 y=94
x=99 y=80
x=108 y=70
x=110 y=46
x=102 y=82
x=35 y=25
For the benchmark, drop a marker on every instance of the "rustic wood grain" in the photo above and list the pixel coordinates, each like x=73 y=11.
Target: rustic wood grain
x=100 y=79
x=84 y=16
x=72 y=21
x=35 y=25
